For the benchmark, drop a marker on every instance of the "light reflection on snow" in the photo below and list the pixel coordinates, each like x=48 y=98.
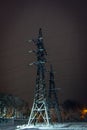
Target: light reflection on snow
x=60 y=126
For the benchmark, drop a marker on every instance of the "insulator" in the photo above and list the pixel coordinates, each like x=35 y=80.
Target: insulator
x=28 y=41
x=40 y=38
x=41 y=49
x=31 y=63
x=42 y=62
x=30 y=51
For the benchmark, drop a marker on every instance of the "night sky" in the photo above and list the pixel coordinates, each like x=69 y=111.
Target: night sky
x=64 y=25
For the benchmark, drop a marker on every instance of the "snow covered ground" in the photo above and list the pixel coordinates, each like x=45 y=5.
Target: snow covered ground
x=8 y=127
x=62 y=126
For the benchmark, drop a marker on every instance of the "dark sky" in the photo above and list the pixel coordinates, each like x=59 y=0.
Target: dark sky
x=64 y=25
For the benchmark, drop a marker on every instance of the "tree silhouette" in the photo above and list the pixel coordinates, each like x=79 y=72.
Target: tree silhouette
x=71 y=105
x=71 y=110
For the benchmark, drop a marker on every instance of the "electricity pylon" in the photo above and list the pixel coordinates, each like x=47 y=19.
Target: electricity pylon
x=39 y=112
x=54 y=108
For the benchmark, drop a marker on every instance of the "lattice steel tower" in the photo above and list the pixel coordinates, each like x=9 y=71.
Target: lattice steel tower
x=54 y=108
x=39 y=112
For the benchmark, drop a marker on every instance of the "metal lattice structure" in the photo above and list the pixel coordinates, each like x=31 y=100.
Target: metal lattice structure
x=54 y=108
x=39 y=112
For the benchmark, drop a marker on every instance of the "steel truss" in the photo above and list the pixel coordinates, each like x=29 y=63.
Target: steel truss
x=54 y=107
x=39 y=112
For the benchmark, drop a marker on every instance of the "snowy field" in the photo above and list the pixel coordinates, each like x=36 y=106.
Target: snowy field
x=63 y=126
x=8 y=127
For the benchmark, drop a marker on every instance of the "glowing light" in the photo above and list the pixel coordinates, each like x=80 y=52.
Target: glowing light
x=83 y=112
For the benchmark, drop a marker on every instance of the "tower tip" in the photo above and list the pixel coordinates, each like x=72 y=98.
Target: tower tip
x=40 y=32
